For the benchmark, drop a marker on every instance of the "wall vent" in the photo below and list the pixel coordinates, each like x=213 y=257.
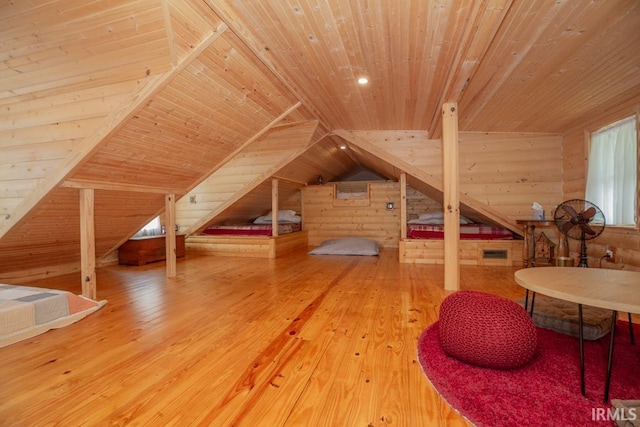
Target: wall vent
x=495 y=253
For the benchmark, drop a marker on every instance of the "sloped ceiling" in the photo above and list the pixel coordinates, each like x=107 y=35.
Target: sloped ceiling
x=513 y=66
x=144 y=97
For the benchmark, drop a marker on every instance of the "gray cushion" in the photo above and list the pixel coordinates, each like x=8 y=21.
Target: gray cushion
x=347 y=246
x=562 y=316
x=629 y=412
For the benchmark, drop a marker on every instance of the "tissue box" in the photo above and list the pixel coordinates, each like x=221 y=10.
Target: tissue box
x=538 y=214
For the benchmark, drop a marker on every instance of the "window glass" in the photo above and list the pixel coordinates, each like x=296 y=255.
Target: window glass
x=153 y=228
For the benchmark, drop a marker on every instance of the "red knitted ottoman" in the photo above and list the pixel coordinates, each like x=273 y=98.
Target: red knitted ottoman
x=486 y=330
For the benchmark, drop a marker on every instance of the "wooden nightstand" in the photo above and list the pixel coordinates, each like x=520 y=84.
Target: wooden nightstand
x=142 y=250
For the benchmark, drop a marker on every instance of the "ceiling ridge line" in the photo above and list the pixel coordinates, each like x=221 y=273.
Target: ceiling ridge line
x=229 y=18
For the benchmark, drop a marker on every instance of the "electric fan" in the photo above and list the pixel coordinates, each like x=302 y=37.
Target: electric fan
x=579 y=220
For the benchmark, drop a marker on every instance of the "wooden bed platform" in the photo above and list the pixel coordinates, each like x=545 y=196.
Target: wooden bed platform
x=472 y=252
x=247 y=246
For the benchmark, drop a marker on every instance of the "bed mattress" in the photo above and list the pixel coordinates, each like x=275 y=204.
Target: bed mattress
x=467 y=232
x=250 y=229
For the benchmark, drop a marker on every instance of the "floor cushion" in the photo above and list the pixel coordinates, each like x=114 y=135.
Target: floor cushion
x=486 y=330
x=562 y=316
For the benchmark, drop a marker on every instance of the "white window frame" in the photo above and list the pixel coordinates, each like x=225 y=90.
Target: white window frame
x=611 y=221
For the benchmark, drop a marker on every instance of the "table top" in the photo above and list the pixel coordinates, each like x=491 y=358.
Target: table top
x=599 y=287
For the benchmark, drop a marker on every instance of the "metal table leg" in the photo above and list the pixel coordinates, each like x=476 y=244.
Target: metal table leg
x=582 y=387
x=533 y=300
x=610 y=362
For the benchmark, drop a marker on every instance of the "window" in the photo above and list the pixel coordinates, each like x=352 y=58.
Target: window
x=612 y=177
x=153 y=228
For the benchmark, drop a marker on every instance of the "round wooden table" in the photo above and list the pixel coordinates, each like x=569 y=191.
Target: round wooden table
x=615 y=290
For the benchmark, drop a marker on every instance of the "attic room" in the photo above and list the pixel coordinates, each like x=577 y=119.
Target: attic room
x=365 y=120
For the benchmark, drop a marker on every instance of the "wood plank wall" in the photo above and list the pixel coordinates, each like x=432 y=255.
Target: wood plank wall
x=626 y=240
x=511 y=171
x=374 y=221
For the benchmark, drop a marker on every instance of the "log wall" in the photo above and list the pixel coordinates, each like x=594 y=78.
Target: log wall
x=509 y=172
x=324 y=219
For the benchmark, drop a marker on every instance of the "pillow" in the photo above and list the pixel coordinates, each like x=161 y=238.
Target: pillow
x=426 y=221
x=562 y=316
x=435 y=218
x=295 y=219
x=347 y=246
x=282 y=214
x=431 y=215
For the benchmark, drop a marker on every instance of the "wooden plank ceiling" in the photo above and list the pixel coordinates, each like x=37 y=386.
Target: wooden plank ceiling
x=142 y=97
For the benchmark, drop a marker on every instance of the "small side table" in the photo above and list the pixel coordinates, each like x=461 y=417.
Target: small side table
x=529 y=247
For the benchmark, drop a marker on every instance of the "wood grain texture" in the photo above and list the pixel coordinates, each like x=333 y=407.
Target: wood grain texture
x=451 y=195
x=470 y=252
x=301 y=341
x=326 y=217
x=248 y=246
x=160 y=93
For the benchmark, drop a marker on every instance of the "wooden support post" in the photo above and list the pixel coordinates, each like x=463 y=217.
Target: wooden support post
x=274 y=207
x=403 y=205
x=451 y=196
x=87 y=243
x=170 y=237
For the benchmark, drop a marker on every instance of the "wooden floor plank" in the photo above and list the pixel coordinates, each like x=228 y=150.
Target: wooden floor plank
x=298 y=340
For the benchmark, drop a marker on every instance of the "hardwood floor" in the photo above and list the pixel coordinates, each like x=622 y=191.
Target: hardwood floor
x=295 y=341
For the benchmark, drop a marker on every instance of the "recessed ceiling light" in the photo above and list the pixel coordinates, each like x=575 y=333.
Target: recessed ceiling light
x=343 y=147
x=363 y=81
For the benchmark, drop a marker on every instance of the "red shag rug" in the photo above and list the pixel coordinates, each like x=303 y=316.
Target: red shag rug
x=546 y=392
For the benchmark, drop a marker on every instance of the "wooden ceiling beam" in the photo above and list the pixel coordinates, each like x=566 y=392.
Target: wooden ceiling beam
x=486 y=19
x=289 y=181
x=114 y=186
x=229 y=17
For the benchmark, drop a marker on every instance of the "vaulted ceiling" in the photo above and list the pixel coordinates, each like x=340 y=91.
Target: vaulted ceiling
x=140 y=98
